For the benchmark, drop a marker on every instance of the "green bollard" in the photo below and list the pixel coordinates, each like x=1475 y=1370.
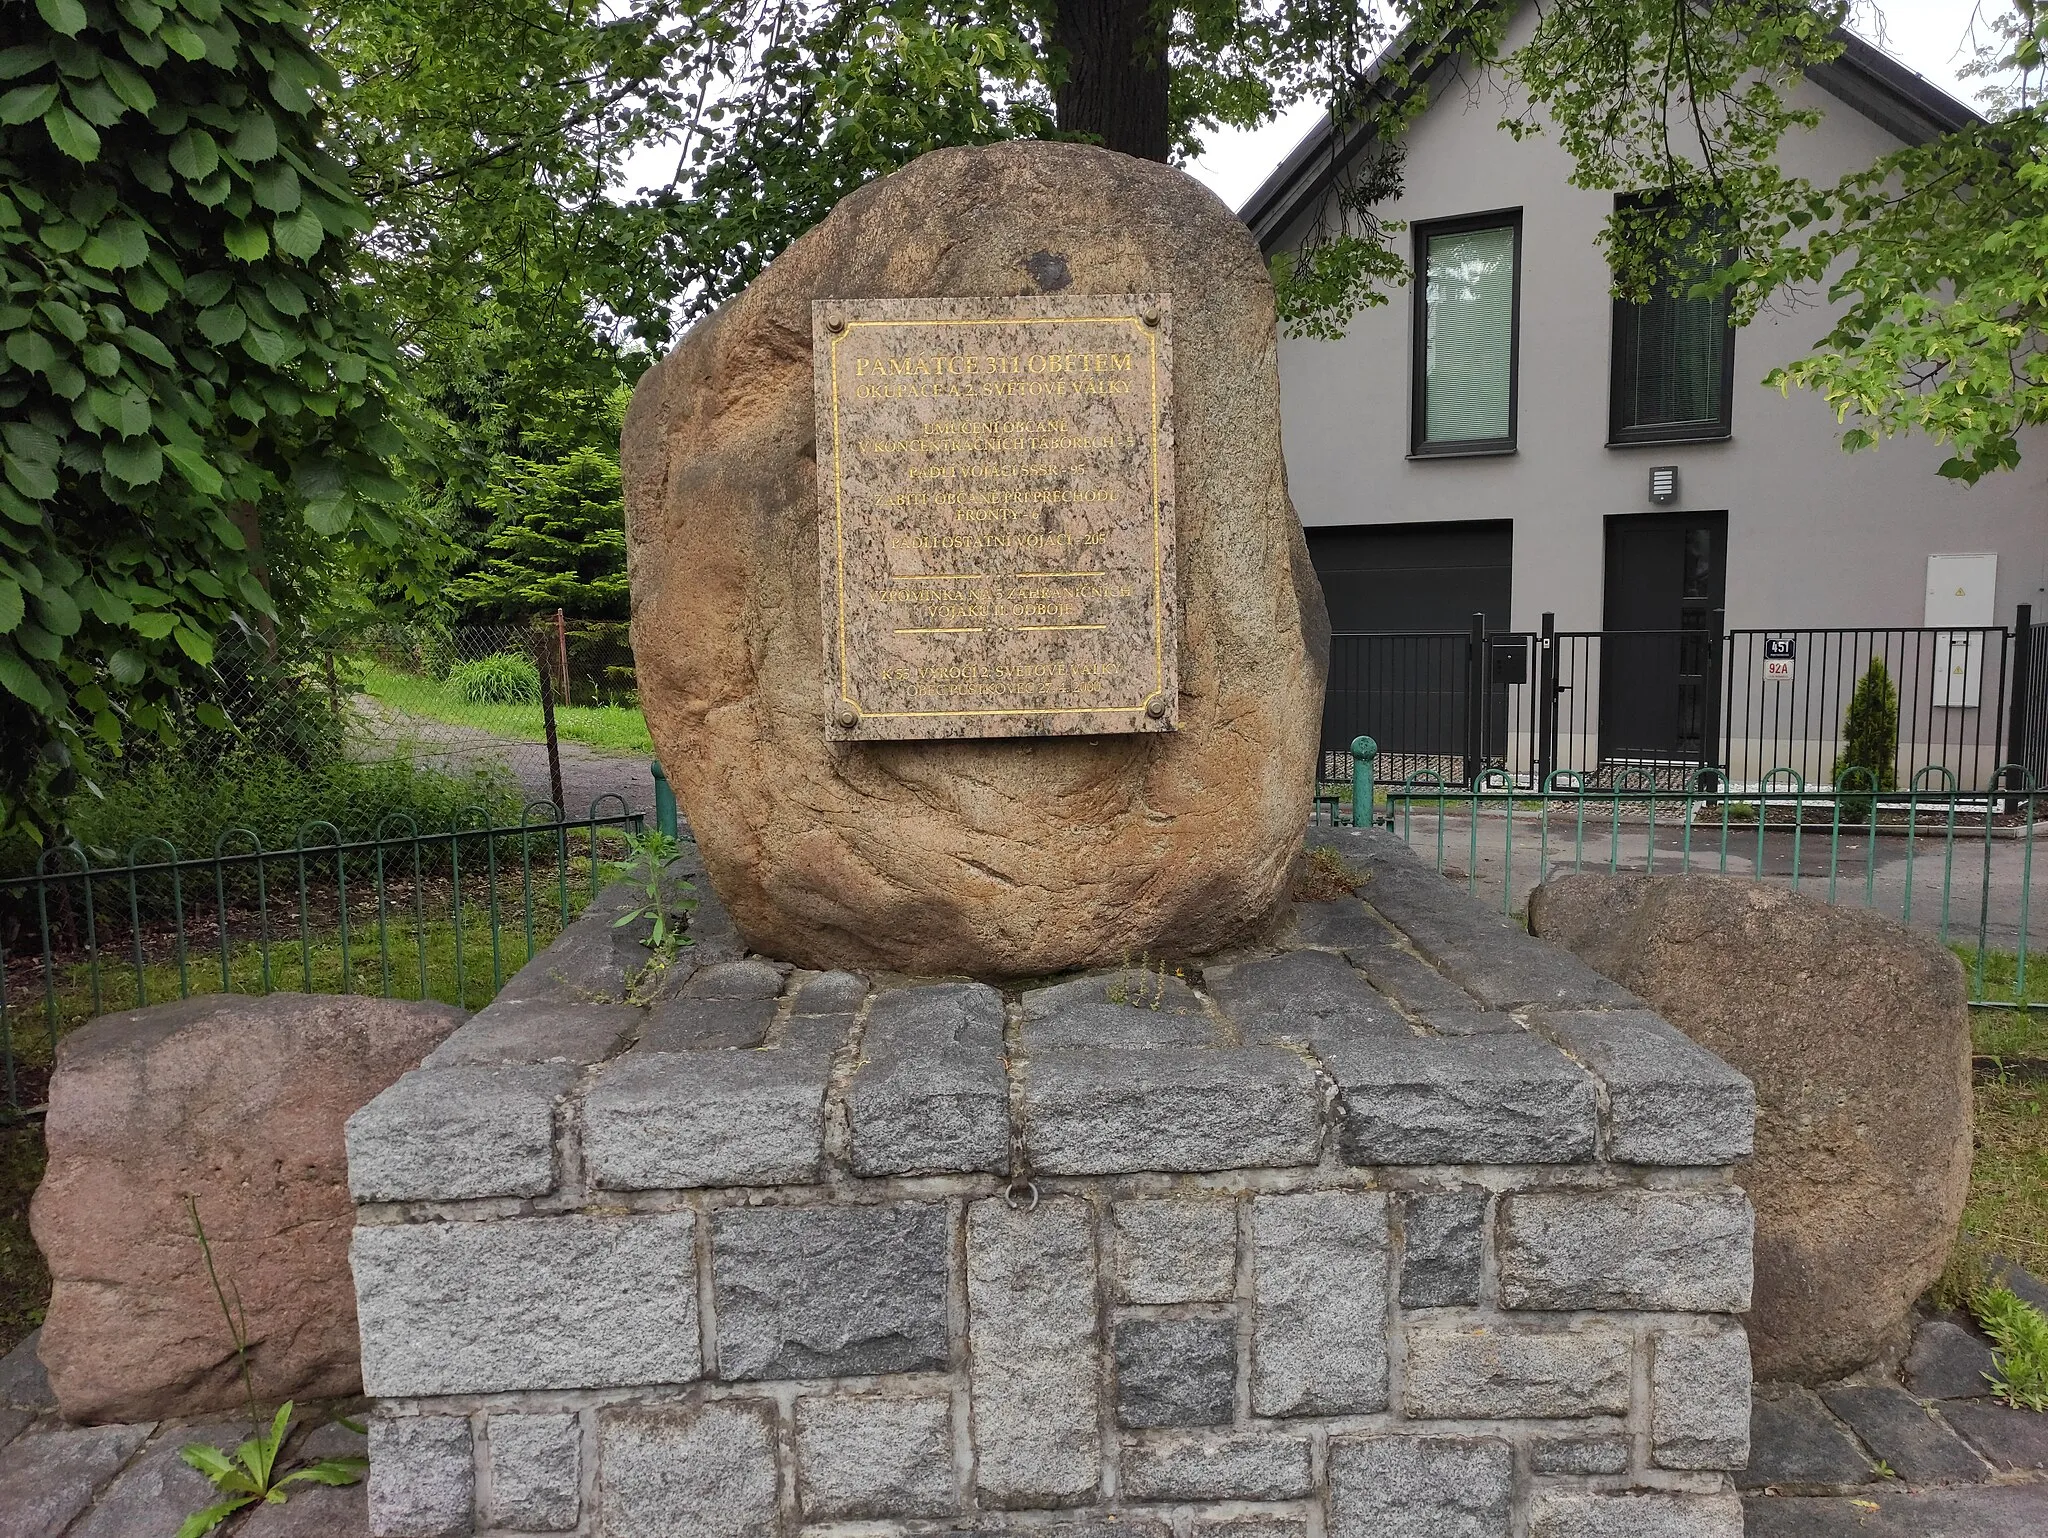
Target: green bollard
x=1363 y=751
x=664 y=803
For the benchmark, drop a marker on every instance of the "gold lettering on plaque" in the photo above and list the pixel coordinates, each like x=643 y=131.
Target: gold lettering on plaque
x=995 y=516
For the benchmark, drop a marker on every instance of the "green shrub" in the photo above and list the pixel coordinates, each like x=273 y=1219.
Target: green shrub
x=505 y=678
x=192 y=803
x=1870 y=742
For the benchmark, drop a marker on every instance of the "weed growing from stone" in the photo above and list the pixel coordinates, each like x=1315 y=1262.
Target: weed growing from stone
x=1144 y=989
x=251 y=1476
x=2019 y=1336
x=648 y=862
x=1325 y=876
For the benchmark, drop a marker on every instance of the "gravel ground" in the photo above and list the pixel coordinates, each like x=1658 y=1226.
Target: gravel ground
x=587 y=773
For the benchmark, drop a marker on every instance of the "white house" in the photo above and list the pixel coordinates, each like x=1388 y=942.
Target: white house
x=1486 y=444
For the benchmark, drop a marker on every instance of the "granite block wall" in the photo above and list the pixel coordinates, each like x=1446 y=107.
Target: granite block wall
x=1399 y=1225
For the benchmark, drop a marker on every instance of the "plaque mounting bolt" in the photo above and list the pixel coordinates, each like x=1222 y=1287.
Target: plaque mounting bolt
x=835 y=319
x=1155 y=707
x=1149 y=313
x=846 y=715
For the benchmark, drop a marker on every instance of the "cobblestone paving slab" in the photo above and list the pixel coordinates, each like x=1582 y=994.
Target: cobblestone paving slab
x=2019 y=1511
x=49 y=1474
x=1908 y=1436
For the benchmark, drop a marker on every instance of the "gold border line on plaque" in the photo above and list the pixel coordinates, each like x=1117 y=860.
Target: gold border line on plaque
x=1151 y=336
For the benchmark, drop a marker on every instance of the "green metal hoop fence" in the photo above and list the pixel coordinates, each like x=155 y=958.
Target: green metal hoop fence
x=445 y=914
x=1959 y=864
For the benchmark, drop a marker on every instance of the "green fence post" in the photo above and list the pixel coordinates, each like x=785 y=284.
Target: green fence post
x=664 y=802
x=1363 y=751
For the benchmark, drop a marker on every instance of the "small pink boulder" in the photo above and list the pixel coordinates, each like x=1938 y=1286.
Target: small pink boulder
x=237 y=1103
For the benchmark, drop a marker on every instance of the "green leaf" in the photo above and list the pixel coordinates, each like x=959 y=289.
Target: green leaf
x=72 y=134
x=132 y=419
x=328 y=515
x=21 y=681
x=19 y=509
x=139 y=462
x=197 y=645
x=183 y=41
x=31 y=350
x=27 y=102
x=283 y=294
x=20 y=60
x=331 y=1471
x=126 y=667
x=249 y=241
x=192 y=465
x=275 y=187
x=223 y=323
x=207 y=1519
x=92 y=101
x=290 y=95
x=146 y=345
x=127 y=84
x=154 y=627
x=256 y=138
x=57 y=612
x=11 y=608
x=38 y=642
x=146 y=293
x=65 y=16
x=210 y=288
x=64 y=318
x=266 y=346
x=299 y=235
x=194 y=155
x=36 y=482
x=128 y=240
x=101 y=357
x=143 y=15
x=37 y=445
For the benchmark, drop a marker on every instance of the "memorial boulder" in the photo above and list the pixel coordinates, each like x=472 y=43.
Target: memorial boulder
x=973 y=622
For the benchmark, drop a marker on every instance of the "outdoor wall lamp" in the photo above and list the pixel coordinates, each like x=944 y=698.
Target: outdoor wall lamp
x=1663 y=483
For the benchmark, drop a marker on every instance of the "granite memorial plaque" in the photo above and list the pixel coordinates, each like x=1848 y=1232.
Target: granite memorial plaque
x=995 y=504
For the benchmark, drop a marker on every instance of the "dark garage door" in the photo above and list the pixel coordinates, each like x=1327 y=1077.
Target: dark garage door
x=1401 y=599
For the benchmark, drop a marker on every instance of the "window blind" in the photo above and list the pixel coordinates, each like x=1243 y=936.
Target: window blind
x=1469 y=360
x=1676 y=367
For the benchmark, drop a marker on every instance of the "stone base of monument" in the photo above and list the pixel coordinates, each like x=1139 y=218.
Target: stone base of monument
x=1404 y=1224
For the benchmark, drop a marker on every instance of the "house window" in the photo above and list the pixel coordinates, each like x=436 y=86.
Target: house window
x=1467 y=326
x=1674 y=368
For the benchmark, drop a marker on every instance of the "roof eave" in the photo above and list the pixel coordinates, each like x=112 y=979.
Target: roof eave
x=1905 y=104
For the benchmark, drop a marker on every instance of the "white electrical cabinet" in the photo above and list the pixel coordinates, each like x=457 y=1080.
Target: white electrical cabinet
x=1962 y=593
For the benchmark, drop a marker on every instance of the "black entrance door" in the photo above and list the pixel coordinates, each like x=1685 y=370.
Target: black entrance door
x=1660 y=693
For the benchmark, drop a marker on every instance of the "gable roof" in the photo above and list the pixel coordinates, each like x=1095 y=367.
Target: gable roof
x=1905 y=104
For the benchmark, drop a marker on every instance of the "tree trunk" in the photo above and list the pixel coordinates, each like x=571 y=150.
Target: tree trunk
x=1116 y=83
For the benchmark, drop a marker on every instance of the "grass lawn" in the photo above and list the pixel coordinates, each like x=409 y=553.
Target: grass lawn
x=610 y=728
x=2008 y=1204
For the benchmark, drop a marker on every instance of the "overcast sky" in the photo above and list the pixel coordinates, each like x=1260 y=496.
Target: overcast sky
x=1929 y=36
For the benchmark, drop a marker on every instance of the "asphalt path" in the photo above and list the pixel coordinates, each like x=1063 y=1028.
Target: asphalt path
x=587 y=773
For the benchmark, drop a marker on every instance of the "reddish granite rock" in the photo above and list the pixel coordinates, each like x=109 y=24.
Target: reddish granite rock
x=1856 y=1033
x=239 y=1103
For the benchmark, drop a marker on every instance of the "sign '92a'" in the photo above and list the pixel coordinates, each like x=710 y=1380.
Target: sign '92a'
x=995 y=516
